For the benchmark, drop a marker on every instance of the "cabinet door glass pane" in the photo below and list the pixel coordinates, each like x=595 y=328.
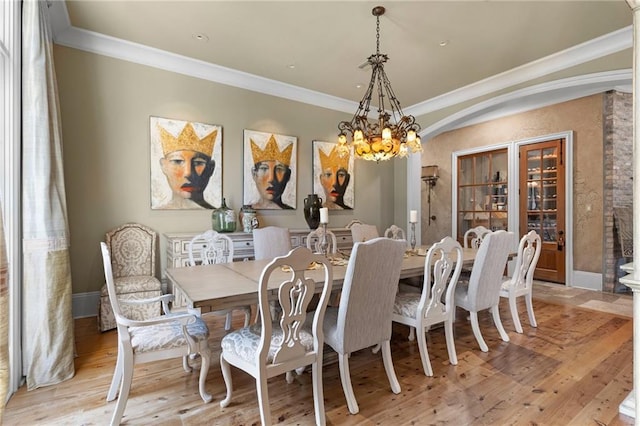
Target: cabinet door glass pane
x=466 y=171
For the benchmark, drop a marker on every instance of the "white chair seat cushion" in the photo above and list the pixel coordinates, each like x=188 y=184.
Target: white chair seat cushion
x=461 y=296
x=506 y=285
x=243 y=343
x=165 y=336
x=133 y=284
x=406 y=304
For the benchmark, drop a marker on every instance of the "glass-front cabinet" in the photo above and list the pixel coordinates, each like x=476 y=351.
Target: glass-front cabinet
x=482 y=191
x=542 y=193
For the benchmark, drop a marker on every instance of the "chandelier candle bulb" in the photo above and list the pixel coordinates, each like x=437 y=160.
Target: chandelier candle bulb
x=324 y=215
x=413 y=216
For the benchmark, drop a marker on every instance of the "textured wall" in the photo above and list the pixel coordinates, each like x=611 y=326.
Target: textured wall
x=583 y=116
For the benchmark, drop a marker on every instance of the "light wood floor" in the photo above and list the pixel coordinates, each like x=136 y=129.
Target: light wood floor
x=575 y=368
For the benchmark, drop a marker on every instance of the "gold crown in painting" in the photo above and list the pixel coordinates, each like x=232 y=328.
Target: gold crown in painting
x=271 y=152
x=187 y=140
x=333 y=161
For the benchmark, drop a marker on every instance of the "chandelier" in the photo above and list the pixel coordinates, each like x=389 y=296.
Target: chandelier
x=392 y=133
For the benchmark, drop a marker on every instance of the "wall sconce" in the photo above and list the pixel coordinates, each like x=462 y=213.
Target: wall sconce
x=430 y=176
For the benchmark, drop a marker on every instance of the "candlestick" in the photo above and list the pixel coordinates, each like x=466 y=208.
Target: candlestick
x=324 y=215
x=324 y=244
x=413 y=236
x=413 y=216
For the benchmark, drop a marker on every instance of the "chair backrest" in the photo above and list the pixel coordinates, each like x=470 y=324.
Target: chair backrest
x=368 y=293
x=395 y=232
x=111 y=287
x=488 y=268
x=270 y=242
x=473 y=237
x=314 y=239
x=528 y=255
x=210 y=248
x=361 y=232
x=294 y=295
x=353 y=222
x=442 y=268
x=133 y=250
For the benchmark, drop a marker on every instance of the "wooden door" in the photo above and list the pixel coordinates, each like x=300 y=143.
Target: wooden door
x=542 y=204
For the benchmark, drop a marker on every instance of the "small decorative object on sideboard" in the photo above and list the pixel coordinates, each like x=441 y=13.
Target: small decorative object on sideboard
x=312 y=206
x=223 y=219
x=248 y=219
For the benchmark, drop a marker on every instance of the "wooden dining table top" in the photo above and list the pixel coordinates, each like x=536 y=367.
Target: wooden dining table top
x=225 y=285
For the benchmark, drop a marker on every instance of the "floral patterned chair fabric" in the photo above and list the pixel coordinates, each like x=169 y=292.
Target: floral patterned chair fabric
x=133 y=248
x=173 y=335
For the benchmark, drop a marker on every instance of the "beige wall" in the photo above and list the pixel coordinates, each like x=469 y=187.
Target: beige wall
x=583 y=116
x=106 y=104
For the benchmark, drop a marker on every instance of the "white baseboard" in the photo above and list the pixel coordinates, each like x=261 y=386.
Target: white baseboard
x=587 y=280
x=85 y=304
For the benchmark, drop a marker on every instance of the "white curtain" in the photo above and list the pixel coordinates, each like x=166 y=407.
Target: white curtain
x=47 y=319
x=4 y=320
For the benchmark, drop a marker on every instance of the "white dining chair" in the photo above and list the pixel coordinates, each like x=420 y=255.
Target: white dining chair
x=210 y=248
x=363 y=317
x=361 y=232
x=270 y=242
x=314 y=240
x=521 y=283
x=172 y=335
x=436 y=303
x=482 y=290
x=271 y=348
x=473 y=237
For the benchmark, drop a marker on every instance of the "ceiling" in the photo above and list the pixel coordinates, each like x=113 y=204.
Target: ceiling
x=320 y=45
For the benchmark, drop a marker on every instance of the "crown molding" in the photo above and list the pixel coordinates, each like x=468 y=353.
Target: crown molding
x=533 y=97
x=66 y=35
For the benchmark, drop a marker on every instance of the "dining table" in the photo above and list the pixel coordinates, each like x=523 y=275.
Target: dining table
x=225 y=285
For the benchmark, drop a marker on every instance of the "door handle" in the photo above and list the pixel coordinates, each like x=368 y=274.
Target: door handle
x=560 y=240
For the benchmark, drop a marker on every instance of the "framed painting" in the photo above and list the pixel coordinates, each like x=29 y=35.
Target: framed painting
x=186 y=164
x=269 y=170
x=333 y=178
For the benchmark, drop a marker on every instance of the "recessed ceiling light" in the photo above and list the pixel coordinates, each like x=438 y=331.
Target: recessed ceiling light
x=359 y=86
x=291 y=66
x=200 y=36
x=443 y=43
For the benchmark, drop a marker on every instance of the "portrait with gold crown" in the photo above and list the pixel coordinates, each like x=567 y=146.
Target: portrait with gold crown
x=186 y=164
x=270 y=172
x=333 y=176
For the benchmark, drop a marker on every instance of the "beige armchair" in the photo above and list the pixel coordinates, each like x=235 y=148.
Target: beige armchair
x=133 y=256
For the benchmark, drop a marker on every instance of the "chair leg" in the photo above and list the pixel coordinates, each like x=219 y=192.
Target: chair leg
x=496 y=319
x=125 y=387
x=247 y=316
x=451 y=344
x=388 y=366
x=424 y=353
x=345 y=378
x=532 y=318
x=375 y=349
x=476 y=331
x=226 y=375
x=514 y=313
x=289 y=377
x=185 y=364
x=412 y=334
x=263 y=400
x=318 y=395
x=116 y=381
x=227 y=321
x=205 y=355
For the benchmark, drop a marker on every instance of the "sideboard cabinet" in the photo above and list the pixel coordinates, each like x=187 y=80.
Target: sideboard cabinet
x=178 y=244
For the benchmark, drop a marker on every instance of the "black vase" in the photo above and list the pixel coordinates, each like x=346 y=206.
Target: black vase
x=312 y=205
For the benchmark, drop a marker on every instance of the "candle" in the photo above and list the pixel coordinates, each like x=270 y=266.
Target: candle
x=324 y=215
x=413 y=216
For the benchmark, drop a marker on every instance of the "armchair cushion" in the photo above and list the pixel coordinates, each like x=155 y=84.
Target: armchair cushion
x=165 y=336
x=134 y=284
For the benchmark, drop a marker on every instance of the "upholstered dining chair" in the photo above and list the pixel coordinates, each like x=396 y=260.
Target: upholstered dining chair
x=167 y=336
x=270 y=348
x=211 y=248
x=521 y=283
x=361 y=232
x=482 y=290
x=133 y=253
x=422 y=310
x=395 y=232
x=270 y=242
x=314 y=239
x=363 y=317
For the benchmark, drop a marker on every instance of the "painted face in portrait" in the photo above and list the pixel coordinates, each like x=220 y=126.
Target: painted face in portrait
x=187 y=164
x=271 y=173
x=334 y=178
